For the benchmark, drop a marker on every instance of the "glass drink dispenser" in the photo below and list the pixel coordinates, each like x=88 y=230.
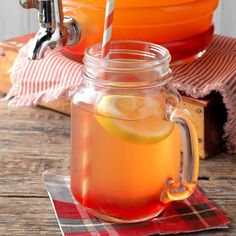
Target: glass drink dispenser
x=184 y=27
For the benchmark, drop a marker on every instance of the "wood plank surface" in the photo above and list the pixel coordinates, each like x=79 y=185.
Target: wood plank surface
x=33 y=140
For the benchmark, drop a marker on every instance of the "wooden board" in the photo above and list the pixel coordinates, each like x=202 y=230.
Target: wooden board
x=8 y=53
x=209 y=116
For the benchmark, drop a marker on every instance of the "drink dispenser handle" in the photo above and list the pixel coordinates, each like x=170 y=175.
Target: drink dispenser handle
x=55 y=30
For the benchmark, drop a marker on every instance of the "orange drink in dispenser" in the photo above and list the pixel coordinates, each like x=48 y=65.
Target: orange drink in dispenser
x=125 y=158
x=185 y=27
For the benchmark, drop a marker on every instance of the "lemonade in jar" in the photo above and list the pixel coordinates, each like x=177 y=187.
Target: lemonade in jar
x=125 y=160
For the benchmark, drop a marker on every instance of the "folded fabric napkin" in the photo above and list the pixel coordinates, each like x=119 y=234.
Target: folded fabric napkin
x=58 y=75
x=194 y=214
x=215 y=71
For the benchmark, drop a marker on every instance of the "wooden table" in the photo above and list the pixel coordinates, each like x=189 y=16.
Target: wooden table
x=35 y=140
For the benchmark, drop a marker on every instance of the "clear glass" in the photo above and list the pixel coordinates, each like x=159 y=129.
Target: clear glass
x=125 y=160
x=185 y=27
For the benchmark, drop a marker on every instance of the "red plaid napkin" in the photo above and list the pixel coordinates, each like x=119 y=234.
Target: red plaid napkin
x=196 y=213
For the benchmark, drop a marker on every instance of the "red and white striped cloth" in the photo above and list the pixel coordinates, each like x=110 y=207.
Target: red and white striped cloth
x=214 y=72
x=58 y=75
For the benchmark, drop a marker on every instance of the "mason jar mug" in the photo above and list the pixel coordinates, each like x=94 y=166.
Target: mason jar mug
x=127 y=126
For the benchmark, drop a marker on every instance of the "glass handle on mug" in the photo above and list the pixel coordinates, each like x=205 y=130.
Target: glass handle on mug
x=184 y=187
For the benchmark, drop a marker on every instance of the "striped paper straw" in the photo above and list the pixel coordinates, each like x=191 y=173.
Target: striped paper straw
x=107 y=29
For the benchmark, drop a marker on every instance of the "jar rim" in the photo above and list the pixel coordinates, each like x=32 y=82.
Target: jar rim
x=157 y=54
x=130 y=64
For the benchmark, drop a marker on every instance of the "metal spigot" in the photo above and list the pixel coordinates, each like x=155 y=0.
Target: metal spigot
x=55 y=31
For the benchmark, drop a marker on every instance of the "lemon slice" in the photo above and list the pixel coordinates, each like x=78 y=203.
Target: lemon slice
x=136 y=119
